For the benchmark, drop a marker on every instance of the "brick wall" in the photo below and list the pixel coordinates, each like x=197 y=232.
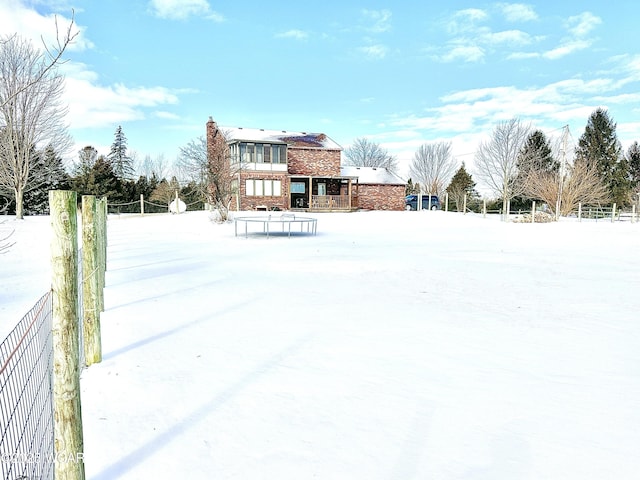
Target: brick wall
x=250 y=202
x=381 y=197
x=313 y=161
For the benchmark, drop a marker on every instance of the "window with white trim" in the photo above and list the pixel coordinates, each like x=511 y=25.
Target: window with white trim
x=263 y=188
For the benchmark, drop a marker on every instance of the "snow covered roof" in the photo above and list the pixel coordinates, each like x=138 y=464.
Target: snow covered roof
x=295 y=139
x=372 y=175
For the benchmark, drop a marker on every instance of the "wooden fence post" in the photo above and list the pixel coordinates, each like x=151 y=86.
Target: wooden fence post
x=446 y=201
x=464 y=204
x=90 y=283
x=580 y=212
x=484 y=208
x=142 y=204
x=613 y=213
x=68 y=440
x=533 y=212
x=101 y=246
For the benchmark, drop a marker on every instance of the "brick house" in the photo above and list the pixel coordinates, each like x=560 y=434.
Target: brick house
x=377 y=187
x=278 y=169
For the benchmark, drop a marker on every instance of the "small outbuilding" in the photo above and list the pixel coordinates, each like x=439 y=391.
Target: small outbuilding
x=376 y=188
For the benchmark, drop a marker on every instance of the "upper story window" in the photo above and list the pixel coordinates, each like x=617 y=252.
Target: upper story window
x=258 y=153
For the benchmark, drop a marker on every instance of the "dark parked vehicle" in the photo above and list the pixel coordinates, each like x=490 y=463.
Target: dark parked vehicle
x=428 y=201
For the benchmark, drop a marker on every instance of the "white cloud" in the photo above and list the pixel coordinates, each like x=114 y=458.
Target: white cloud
x=296 y=34
x=16 y=18
x=466 y=53
x=474 y=111
x=518 y=12
x=581 y=25
x=567 y=48
x=578 y=27
x=95 y=105
x=375 y=52
x=378 y=21
x=183 y=9
x=511 y=37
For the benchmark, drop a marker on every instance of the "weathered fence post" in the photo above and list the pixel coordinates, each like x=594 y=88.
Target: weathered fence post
x=446 y=201
x=533 y=212
x=464 y=204
x=613 y=213
x=484 y=208
x=67 y=430
x=101 y=245
x=580 y=212
x=90 y=283
x=633 y=214
x=142 y=204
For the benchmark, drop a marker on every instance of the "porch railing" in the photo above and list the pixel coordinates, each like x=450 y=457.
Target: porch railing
x=330 y=202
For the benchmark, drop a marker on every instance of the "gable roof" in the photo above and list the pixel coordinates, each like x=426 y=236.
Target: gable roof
x=294 y=139
x=372 y=175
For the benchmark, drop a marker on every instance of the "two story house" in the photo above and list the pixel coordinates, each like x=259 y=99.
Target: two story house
x=278 y=169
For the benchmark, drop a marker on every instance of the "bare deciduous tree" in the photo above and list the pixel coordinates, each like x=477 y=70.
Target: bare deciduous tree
x=582 y=184
x=366 y=153
x=433 y=167
x=165 y=192
x=192 y=165
x=150 y=166
x=31 y=112
x=496 y=160
x=208 y=165
x=54 y=54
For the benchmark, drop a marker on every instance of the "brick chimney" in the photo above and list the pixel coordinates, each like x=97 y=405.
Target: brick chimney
x=212 y=133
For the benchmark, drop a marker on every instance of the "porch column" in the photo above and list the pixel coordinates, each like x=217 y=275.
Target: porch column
x=310 y=190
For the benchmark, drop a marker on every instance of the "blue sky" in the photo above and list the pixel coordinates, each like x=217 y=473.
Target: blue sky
x=401 y=73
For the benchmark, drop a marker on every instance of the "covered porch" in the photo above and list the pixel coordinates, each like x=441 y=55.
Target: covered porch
x=322 y=194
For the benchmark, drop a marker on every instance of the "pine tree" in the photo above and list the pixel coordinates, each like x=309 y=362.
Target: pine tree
x=412 y=188
x=49 y=167
x=462 y=184
x=633 y=160
x=121 y=162
x=536 y=156
x=599 y=146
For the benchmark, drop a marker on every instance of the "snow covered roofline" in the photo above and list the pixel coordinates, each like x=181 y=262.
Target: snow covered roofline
x=294 y=139
x=372 y=175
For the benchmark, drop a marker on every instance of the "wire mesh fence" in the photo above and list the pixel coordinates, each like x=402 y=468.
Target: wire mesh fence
x=26 y=397
x=26 y=392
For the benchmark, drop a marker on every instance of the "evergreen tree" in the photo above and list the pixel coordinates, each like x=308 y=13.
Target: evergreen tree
x=536 y=156
x=122 y=163
x=412 y=188
x=49 y=167
x=87 y=158
x=190 y=195
x=99 y=180
x=462 y=184
x=599 y=146
x=633 y=161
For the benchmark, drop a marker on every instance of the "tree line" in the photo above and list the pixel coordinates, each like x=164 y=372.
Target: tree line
x=520 y=165
x=112 y=176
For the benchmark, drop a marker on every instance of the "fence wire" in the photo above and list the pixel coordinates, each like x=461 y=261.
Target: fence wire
x=26 y=397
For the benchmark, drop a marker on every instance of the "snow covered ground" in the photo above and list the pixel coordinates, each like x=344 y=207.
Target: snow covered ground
x=392 y=345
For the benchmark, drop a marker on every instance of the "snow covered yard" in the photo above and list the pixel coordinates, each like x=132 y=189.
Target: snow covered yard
x=392 y=345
